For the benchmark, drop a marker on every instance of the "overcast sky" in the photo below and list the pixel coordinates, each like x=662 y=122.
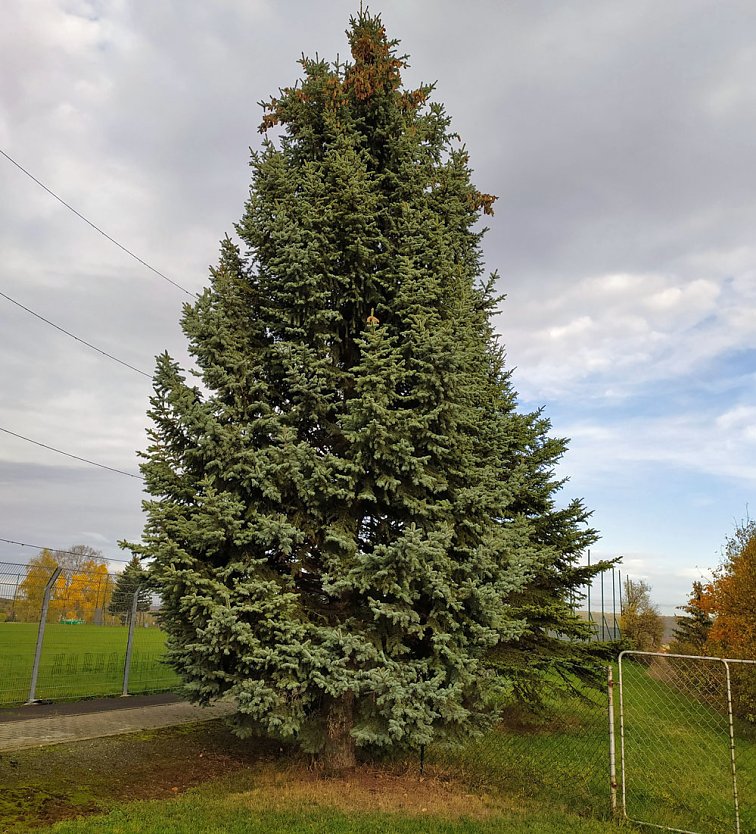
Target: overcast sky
x=620 y=138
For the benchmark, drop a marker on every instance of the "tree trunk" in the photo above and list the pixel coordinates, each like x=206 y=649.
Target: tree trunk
x=339 y=749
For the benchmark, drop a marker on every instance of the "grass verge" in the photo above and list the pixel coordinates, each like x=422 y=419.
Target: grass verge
x=199 y=779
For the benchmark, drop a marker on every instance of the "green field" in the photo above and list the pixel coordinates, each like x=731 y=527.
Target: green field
x=80 y=661
x=677 y=756
x=197 y=815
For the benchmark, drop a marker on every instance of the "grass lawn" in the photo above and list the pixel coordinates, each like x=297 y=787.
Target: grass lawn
x=79 y=661
x=677 y=757
x=202 y=780
x=538 y=773
x=247 y=813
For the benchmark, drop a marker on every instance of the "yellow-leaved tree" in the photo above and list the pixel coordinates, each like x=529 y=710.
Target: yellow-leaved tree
x=31 y=589
x=87 y=591
x=81 y=592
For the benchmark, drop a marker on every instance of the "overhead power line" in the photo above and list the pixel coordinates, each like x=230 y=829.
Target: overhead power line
x=58 y=550
x=69 y=455
x=73 y=336
x=95 y=227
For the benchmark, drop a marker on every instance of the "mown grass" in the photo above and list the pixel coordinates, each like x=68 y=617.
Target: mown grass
x=678 y=765
x=558 y=755
x=196 y=814
x=201 y=779
x=538 y=773
x=79 y=661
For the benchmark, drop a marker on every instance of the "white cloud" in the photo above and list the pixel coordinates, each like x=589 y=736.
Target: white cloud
x=720 y=445
x=621 y=330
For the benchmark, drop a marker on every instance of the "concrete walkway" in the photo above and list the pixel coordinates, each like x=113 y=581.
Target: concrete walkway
x=40 y=726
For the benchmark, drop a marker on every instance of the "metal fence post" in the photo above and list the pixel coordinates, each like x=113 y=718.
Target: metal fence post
x=130 y=643
x=731 y=729
x=41 y=633
x=590 y=583
x=622 y=732
x=612 y=753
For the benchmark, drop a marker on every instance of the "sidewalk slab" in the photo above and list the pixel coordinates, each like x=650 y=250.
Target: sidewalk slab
x=62 y=728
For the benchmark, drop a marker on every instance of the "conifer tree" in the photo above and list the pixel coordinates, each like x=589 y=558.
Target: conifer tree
x=131 y=580
x=692 y=629
x=349 y=516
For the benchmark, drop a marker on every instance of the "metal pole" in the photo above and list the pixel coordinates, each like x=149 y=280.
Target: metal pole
x=622 y=735
x=15 y=596
x=614 y=607
x=732 y=749
x=619 y=585
x=603 y=618
x=41 y=634
x=130 y=643
x=590 y=582
x=612 y=754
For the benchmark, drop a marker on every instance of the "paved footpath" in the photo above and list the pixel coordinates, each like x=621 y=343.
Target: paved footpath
x=45 y=724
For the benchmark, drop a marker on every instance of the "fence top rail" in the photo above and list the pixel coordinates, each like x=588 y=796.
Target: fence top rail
x=687 y=656
x=11 y=571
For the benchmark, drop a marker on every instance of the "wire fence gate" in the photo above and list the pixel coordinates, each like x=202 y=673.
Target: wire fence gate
x=688 y=742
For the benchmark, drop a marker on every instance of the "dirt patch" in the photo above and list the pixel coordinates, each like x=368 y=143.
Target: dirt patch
x=43 y=785
x=43 y=807
x=365 y=790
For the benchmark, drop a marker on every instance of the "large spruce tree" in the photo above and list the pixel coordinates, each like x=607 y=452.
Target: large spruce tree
x=351 y=525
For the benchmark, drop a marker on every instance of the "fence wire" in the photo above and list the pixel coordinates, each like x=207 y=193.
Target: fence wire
x=83 y=650
x=674 y=756
x=556 y=755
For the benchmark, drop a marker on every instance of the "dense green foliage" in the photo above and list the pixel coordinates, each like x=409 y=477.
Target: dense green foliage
x=353 y=529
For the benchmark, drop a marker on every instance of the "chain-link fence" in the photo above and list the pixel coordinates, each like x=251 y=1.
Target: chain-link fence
x=64 y=634
x=688 y=742
x=681 y=756
x=556 y=754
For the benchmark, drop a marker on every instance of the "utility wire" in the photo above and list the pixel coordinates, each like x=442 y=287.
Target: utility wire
x=69 y=455
x=73 y=336
x=58 y=550
x=96 y=228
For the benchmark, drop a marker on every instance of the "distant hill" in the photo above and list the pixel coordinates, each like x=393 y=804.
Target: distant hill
x=670 y=623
